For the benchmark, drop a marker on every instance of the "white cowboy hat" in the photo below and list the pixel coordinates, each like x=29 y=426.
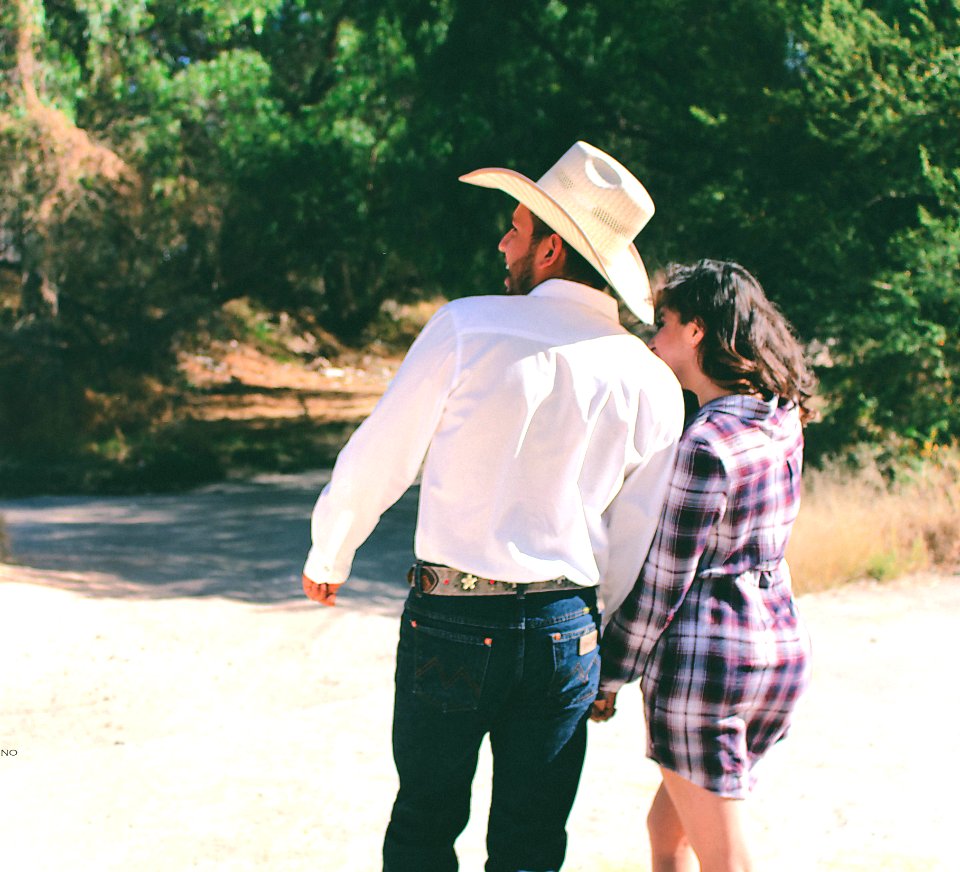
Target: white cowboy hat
x=597 y=205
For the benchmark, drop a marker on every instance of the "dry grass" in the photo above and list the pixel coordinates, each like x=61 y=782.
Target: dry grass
x=856 y=525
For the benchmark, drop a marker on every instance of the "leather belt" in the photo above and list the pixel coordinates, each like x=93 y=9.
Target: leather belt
x=432 y=578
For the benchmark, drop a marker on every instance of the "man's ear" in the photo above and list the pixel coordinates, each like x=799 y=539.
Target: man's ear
x=551 y=251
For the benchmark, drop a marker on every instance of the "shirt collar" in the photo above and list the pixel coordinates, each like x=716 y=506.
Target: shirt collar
x=747 y=407
x=564 y=289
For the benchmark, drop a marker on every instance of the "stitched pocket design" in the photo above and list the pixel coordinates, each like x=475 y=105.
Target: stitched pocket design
x=449 y=668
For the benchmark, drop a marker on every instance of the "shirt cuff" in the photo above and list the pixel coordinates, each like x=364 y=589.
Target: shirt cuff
x=611 y=684
x=319 y=570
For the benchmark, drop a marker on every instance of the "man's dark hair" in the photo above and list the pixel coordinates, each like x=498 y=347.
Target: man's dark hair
x=575 y=266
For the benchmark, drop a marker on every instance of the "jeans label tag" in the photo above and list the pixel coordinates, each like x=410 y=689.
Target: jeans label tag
x=588 y=643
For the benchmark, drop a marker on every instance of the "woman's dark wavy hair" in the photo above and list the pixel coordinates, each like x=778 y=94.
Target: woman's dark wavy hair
x=748 y=346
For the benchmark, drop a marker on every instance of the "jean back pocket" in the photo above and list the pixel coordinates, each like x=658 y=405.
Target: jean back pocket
x=576 y=665
x=449 y=668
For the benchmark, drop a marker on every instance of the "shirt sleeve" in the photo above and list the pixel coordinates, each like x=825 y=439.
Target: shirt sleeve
x=633 y=515
x=696 y=500
x=383 y=456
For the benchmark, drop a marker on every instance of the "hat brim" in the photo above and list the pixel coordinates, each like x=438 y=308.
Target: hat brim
x=626 y=273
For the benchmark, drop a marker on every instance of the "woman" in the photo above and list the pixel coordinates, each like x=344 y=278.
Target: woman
x=711 y=628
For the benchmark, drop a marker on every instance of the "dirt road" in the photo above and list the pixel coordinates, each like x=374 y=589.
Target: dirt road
x=170 y=702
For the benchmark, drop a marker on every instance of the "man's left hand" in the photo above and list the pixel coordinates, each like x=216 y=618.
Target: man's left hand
x=325 y=594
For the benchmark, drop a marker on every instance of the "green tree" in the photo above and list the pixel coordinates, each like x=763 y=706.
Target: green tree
x=109 y=257
x=815 y=142
x=316 y=202
x=159 y=157
x=881 y=91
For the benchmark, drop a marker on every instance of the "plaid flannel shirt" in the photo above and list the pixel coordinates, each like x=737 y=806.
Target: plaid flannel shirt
x=732 y=502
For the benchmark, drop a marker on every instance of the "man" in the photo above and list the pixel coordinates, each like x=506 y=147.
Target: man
x=547 y=434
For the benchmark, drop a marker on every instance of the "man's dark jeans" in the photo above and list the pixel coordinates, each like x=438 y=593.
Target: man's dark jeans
x=523 y=668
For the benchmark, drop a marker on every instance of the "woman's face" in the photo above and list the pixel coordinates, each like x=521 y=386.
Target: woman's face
x=675 y=343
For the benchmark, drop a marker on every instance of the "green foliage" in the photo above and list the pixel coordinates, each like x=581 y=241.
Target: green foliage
x=311 y=217
x=881 y=95
x=165 y=168
x=304 y=154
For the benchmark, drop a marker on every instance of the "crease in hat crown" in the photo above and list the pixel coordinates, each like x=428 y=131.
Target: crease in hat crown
x=594 y=203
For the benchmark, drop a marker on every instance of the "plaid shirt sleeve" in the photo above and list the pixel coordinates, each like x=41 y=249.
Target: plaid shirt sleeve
x=695 y=503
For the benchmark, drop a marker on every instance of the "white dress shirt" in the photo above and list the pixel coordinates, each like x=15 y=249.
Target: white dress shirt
x=547 y=434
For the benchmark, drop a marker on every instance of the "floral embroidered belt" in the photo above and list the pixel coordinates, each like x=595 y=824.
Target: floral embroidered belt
x=445 y=581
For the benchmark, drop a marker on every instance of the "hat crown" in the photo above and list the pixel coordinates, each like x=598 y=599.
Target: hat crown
x=604 y=198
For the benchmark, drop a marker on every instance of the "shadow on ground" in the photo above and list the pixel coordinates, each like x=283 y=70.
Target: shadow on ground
x=245 y=541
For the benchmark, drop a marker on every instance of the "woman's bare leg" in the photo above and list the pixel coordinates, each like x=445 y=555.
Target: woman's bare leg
x=670 y=849
x=713 y=824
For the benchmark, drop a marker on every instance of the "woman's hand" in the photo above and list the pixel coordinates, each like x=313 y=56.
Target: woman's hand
x=604 y=706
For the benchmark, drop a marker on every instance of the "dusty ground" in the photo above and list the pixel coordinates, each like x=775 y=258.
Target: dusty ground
x=169 y=702
x=237 y=381
x=281 y=367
